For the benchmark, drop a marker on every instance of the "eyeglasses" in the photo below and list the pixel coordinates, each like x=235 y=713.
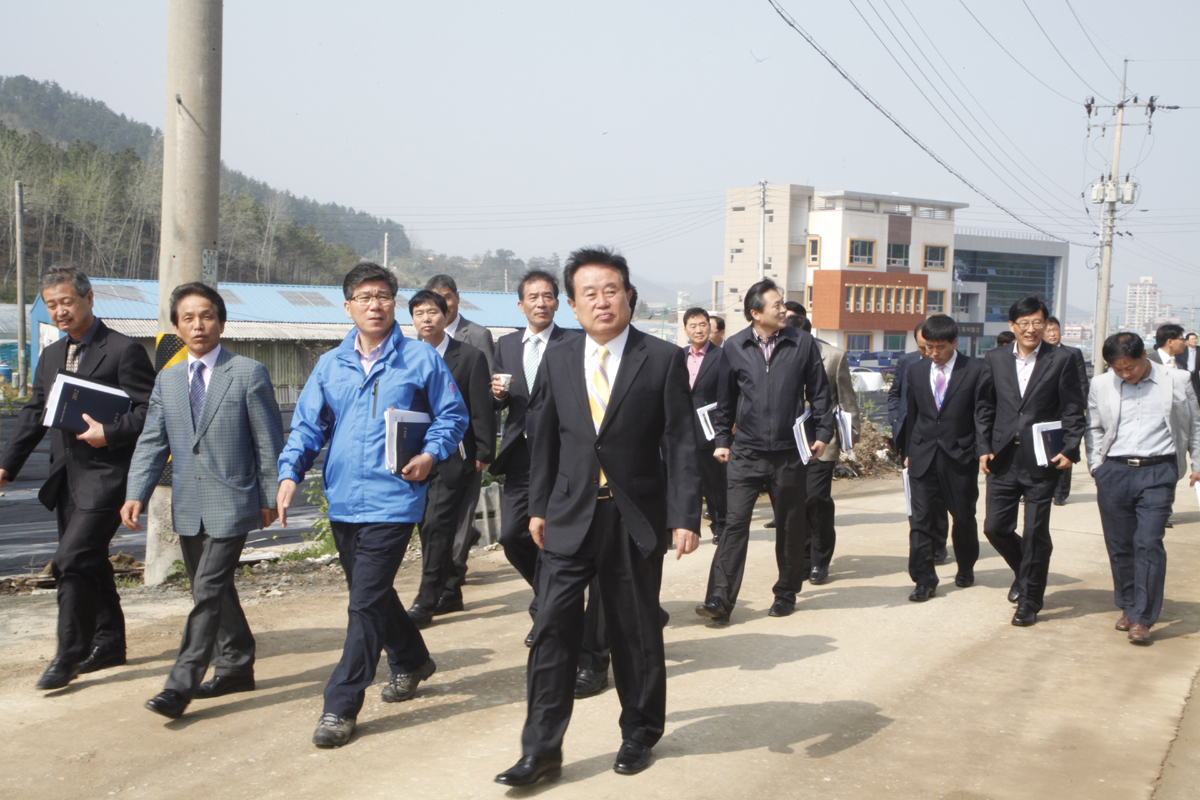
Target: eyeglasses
x=1037 y=325
x=383 y=298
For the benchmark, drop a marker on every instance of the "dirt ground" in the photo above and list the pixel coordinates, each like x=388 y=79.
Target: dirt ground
x=859 y=694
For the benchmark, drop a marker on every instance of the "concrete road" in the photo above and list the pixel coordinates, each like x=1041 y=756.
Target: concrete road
x=859 y=694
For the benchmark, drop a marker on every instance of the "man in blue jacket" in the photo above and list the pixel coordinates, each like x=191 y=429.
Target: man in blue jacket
x=372 y=510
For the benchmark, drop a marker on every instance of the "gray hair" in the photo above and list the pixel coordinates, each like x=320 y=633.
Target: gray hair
x=56 y=275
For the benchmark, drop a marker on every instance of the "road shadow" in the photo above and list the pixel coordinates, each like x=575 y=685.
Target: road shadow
x=746 y=651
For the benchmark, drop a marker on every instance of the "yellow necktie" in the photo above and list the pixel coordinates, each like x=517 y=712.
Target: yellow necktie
x=598 y=392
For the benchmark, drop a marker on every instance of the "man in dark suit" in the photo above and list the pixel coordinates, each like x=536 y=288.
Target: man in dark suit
x=1188 y=360
x=1028 y=383
x=461 y=329
x=1169 y=345
x=1053 y=335
x=942 y=450
x=446 y=493
x=613 y=482
x=706 y=372
x=717 y=334
x=215 y=416
x=88 y=472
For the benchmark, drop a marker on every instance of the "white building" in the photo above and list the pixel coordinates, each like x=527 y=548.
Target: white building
x=1143 y=305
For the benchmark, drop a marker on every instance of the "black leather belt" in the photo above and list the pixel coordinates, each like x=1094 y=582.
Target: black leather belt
x=1148 y=461
x=604 y=494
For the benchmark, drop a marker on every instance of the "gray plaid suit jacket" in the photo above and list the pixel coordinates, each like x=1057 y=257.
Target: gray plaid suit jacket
x=225 y=467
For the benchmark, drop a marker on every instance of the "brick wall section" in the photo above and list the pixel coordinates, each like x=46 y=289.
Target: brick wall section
x=829 y=300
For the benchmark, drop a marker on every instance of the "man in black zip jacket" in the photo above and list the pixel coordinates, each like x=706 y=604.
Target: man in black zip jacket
x=775 y=372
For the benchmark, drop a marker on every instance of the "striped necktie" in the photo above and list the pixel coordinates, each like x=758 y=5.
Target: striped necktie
x=532 y=359
x=196 y=392
x=598 y=392
x=73 y=349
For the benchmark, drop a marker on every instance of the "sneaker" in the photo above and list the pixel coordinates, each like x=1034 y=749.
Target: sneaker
x=333 y=731
x=403 y=685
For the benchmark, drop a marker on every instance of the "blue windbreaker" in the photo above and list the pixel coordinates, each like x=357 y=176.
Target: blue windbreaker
x=342 y=407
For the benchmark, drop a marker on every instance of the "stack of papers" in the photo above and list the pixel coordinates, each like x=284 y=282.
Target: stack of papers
x=706 y=421
x=1047 y=441
x=802 y=437
x=845 y=430
x=405 y=437
x=907 y=492
x=71 y=397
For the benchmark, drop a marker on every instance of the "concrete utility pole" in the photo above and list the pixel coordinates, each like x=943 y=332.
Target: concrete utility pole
x=762 y=229
x=19 y=380
x=385 y=250
x=191 y=196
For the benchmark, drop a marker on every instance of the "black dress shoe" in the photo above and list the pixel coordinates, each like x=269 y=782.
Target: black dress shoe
x=589 y=682
x=448 y=605
x=1060 y=501
x=58 y=674
x=818 y=575
x=103 y=658
x=922 y=593
x=716 y=538
x=169 y=703
x=529 y=770
x=781 y=608
x=420 y=615
x=1025 y=615
x=632 y=758
x=964 y=580
x=714 y=611
x=529 y=638
x=220 y=685
x=770 y=524
x=666 y=615
x=1014 y=594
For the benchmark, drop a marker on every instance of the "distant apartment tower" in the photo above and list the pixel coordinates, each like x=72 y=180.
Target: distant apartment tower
x=1143 y=305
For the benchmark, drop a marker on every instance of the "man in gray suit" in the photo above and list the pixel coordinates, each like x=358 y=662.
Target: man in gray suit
x=461 y=329
x=1142 y=422
x=215 y=416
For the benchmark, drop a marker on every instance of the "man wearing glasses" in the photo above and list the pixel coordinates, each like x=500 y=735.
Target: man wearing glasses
x=1169 y=344
x=1029 y=383
x=371 y=509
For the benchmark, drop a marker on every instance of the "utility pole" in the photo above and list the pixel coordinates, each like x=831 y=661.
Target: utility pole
x=385 y=249
x=19 y=243
x=762 y=229
x=191 y=194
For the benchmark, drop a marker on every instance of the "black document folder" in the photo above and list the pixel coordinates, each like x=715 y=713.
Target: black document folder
x=72 y=396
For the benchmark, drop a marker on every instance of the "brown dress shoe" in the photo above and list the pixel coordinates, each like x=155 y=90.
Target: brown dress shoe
x=1139 y=633
x=1123 y=623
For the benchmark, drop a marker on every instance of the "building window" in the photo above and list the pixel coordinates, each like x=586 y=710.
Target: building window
x=908 y=298
x=935 y=301
x=735 y=249
x=869 y=295
x=895 y=342
x=919 y=301
x=739 y=208
x=935 y=256
x=814 y=251
x=897 y=255
x=889 y=304
x=862 y=252
x=770 y=218
x=858 y=293
x=849 y=298
x=731 y=259
x=858 y=342
x=808 y=291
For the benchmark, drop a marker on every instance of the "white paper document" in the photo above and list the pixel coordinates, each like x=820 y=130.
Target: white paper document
x=845 y=429
x=703 y=413
x=802 y=437
x=1039 y=441
x=907 y=492
x=392 y=418
x=64 y=380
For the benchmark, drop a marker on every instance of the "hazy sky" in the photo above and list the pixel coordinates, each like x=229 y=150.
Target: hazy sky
x=542 y=126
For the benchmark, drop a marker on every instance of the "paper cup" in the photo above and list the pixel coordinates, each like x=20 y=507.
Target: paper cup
x=505 y=380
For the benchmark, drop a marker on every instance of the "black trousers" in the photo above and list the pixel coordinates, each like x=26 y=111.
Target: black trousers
x=714 y=483
x=465 y=536
x=519 y=548
x=629 y=588
x=1135 y=503
x=89 y=608
x=819 y=509
x=371 y=553
x=785 y=479
x=946 y=486
x=216 y=621
x=1028 y=555
x=1064 y=485
x=443 y=506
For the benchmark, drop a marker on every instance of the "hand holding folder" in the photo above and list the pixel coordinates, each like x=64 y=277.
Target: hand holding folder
x=71 y=397
x=405 y=438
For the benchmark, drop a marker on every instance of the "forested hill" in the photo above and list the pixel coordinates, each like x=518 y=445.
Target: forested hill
x=61 y=117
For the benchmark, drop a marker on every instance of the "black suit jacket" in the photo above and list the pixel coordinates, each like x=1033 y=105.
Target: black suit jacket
x=522 y=399
x=469 y=369
x=1181 y=362
x=95 y=476
x=712 y=378
x=898 y=399
x=1053 y=393
x=655 y=489
x=953 y=429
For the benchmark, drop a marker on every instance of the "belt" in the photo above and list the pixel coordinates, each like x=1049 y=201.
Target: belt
x=605 y=493
x=1148 y=461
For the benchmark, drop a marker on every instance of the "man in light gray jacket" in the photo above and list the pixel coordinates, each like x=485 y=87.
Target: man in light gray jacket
x=1143 y=421
x=215 y=416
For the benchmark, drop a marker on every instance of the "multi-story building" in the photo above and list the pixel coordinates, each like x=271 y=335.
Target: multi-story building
x=869 y=267
x=1143 y=305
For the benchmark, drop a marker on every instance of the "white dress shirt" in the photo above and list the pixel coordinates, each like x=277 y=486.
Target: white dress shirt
x=1168 y=361
x=1191 y=359
x=441 y=348
x=616 y=347
x=529 y=335
x=209 y=360
x=1024 y=367
x=452 y=328
x=1142 y=427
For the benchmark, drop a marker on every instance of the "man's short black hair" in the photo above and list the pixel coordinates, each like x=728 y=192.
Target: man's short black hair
x=369 y=271
x=795 y=308
x=694 y=312
x=1166 y=333
x=595 y=257
x=1005 y=337
x=427 y=296
x=1190 y=335
x=440 y=283
x=801 y=322
x=718 y=322
x=940 y=328
x=754 y=297
x=533 y=276
x=1028 y=305
x=202 y=290
x=1123 y=345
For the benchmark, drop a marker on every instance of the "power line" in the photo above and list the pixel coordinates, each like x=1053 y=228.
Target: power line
x=1060 y=55
x=1016 y=61
x=1089 y=38
x=791 y=23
